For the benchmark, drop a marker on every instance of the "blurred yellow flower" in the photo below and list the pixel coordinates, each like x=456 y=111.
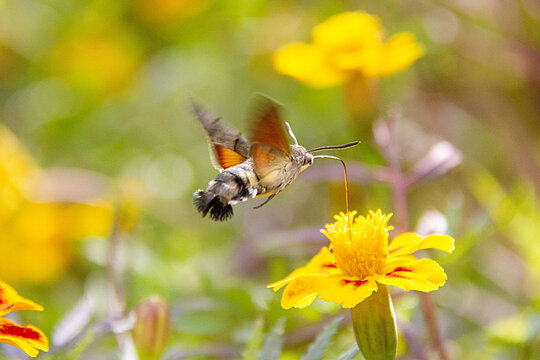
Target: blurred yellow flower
x=18 y=173
x=102 y=63
x=347 y=45
x=36 y=236
x=358 y=258
x=30 y=339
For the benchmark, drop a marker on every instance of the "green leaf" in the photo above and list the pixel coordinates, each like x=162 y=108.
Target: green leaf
x=272 y=346
x=254 y=343
x=317 y=348
x=350 y=353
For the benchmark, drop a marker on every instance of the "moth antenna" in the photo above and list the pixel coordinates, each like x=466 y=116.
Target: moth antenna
x=289 y=130
x=346 y=185
x=336 y=147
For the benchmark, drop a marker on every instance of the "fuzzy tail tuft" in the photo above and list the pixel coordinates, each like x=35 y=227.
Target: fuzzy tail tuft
x=207 y=202
x=202 y=200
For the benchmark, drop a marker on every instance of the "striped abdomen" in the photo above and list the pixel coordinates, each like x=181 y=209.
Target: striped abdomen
x=232 y=185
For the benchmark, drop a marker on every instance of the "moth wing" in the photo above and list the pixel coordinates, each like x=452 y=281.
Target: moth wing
x=268 y=162
x=225 y=158
x=267 y=127
x=221 y=134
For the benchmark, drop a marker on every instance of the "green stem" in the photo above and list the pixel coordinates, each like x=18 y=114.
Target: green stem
x=374 y=326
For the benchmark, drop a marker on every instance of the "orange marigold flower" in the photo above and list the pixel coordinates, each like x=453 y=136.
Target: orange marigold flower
x=29 y=338
x=347 y=45
x=358 y=258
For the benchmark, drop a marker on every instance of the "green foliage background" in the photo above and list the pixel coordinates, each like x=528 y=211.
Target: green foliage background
x=478 y=87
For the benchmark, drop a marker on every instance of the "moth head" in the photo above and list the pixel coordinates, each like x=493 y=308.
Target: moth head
x=299 y=153
x=301 y=156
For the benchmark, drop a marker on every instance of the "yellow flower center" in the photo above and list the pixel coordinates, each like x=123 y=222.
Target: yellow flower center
x=361 y=249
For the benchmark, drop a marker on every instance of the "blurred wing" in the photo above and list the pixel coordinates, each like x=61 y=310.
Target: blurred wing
x=227 y=158
x=267 y=127
x=221 y=133
x=268 y=162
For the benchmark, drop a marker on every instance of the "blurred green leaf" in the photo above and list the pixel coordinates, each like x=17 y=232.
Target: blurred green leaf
x=273 y=343
x=349 y=355
x=202 y=322
x=254 y=344
x=317 y=348
x=105 y=86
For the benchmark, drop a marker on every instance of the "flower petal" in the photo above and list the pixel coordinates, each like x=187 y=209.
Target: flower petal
x=348 y=291
x=422 y=275
x=10 y=300
x=299 y=292
x=323 y=263
x=348 y=31
x=29 y=339
x=308 y=64
x=366 y=60
x=408 y=243
x=398 y=53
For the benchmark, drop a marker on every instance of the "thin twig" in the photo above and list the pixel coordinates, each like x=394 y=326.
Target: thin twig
x=430 y=316
x=384 y=136
x=116 y=294
x=117 y=301
x=110 y=325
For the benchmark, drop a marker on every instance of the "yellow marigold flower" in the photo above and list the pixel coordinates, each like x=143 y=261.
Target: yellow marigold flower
x=30 y=339
x=347 y=45
x=358 y=258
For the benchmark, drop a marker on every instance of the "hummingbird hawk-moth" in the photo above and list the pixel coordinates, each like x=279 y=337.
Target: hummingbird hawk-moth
x=264 y=165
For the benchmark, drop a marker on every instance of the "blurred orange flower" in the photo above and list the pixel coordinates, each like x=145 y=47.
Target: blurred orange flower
x=30 y=339
x=159 y=12
x=344 y=46
x=35 y=241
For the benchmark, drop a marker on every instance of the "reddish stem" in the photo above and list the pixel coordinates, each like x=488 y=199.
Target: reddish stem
x=387 y=143
x=430 y=316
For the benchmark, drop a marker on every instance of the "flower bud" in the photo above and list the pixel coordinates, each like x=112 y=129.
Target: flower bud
x=151 y=330
x=375 y=326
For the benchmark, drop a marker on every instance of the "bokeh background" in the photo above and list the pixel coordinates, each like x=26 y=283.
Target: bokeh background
x=100 y=153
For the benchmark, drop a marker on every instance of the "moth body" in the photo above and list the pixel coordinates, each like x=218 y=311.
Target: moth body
x=231 y=186
x=241 y=182
x=264 y=165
